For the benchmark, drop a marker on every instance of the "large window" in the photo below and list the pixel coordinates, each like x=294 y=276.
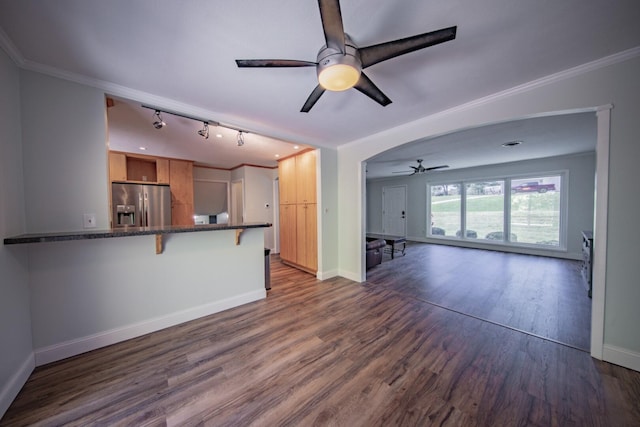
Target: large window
x=484 y=211
x=445 y=208
x=535 y=210
x=529 y=213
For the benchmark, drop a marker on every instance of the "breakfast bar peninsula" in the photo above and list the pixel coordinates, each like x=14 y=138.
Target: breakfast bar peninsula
x=90 y=289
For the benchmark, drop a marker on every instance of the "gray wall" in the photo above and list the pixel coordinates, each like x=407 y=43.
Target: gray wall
x=64 y=141
x=580 y=185
x=16 y=356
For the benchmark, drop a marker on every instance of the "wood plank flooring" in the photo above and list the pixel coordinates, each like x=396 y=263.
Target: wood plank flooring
x=538 y=295
x=331 y=353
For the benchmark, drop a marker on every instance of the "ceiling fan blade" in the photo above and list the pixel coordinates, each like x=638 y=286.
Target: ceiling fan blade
x=436 y=167
x=381 y=52
x=366 y=86
x=312 y=99
x=404 y=172
x=245 y=63
x=332 y=24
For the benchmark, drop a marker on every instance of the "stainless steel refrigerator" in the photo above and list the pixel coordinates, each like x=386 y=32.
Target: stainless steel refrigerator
x=140 y=205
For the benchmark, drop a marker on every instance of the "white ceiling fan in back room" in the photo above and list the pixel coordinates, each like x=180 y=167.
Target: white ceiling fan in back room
x=340 y=62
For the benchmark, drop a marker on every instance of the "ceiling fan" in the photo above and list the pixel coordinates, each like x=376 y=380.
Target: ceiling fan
x=421 y=169
x=340 y=62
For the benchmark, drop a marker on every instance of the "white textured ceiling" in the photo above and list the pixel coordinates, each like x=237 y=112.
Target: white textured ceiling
x=539 y=137
x=180 y=54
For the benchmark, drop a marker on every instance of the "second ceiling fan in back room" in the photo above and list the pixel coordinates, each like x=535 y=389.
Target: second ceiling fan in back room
x=421 y=169
x=340 y=62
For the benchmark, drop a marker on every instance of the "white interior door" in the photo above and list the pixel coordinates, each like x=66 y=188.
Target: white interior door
x=394 y=205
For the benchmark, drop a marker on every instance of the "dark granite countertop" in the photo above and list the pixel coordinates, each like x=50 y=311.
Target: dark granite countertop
x=127 y=231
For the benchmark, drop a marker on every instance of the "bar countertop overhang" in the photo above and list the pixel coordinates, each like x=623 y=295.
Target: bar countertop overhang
x=127 y=231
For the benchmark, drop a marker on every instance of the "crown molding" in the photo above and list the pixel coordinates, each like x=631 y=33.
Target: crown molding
x=616 y=58
x=552 y=78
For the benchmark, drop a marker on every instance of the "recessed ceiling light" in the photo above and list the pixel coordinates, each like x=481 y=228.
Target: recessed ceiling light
x=511 y=143
x=218 y=135
x=295 y=147
x=142 y=148
x=277 y=155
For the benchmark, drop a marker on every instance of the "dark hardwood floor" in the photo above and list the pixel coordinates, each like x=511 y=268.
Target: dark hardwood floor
x=332 y=353
x=538 y=295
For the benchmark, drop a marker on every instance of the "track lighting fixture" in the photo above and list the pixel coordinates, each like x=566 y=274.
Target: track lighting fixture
x=204 y=132
x=159 y=123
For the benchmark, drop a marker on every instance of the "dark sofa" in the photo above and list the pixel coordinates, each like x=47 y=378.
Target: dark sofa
x=374 y=252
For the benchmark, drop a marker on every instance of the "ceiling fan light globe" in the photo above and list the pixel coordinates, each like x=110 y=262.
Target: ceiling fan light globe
x=338 y=77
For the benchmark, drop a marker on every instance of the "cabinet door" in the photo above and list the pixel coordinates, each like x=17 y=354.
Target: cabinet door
x=287 y=180
x=117 y=166
x=162 y=167
x=311 y=238
x=181 y=182
x=306 y=177
x=288 y=233
x=306 y=237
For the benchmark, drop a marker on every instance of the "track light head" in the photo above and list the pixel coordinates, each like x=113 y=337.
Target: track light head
x=159 y=123
x=240 y=138
x=204 y=132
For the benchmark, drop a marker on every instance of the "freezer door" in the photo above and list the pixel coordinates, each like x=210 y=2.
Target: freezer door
x=157 y=205
x=126 y=204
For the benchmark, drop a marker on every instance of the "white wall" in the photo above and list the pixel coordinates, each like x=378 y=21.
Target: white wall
x=579 y=187
x=90 y=293
x=64 y=148
x=258 y=192
x=211 y=174
x=327 y=185
x=607 y=82
x=16 y=356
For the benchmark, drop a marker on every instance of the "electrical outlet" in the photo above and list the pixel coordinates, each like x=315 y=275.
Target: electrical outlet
x=89 y=220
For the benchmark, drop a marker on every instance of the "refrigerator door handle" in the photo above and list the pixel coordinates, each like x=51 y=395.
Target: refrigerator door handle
x=146 y=209
x=140 y=222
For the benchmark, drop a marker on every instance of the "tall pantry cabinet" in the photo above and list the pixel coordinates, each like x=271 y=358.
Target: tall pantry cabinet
x=298 y=211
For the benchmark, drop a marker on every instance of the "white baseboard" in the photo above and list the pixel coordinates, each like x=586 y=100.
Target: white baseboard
x=11 y=389
x=77 y=346
x=351 y=276
x=621 y=356
x=472 y=244
x=324 y=275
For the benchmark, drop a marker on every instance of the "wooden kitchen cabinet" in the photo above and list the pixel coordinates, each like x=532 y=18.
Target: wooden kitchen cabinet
x=288 y=233
x=162 y=171
x=306 y=177
x=287 y=181
x=129 y=167
x=117 y=166
x=306 y=236
x=141 y=169
x=181 y=182
x=298 y=211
